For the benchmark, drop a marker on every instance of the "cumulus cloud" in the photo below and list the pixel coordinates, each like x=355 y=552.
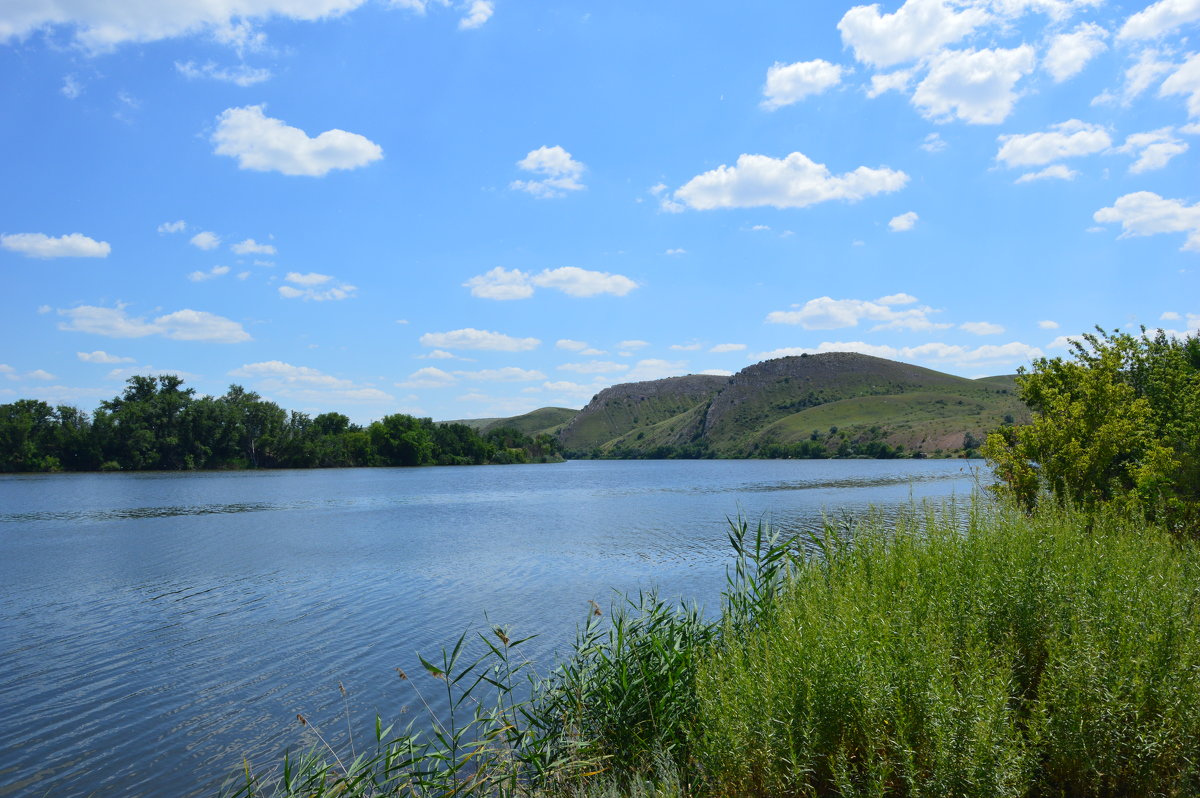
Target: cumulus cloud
x=1144 y=213
x=1141 y=75
x=937 y=353
x=719 y=348
x=182 y=325
x=915 y=30
x=263 y=144
x=975 y=86
x=633 y=344
x=981 y=328
x=307 y=384
x=890 y=81
x=100 y=356
x=471 y=338
x=215 y=271
x=205 y=240
x=1054 y=172
x=1047 y=324
x=570 y=345
x=560 y=173
x=506 y=374
x=172 y=227
x=428 y=377
x=904 y=221
x=1159 y=19
x=1070 y=52
x=315 y=287
x=791 y=83
x=1070 y=139
x=933 y=143
x=503 y=284
x=792 y=182
x=1153 y=149
x=479 y=12
x=100 y=27
x=826 y=313
x=252 y=247
x=656 y=369
x=1185 y=81
x=40 y=245
x=240 y=75
x=594 y=367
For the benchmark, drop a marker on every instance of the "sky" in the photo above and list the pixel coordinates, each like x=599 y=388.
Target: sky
x=474 y=208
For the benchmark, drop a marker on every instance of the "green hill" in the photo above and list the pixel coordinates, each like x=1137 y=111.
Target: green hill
x=833 y=404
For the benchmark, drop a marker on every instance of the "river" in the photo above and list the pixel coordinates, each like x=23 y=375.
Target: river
x=158 y=627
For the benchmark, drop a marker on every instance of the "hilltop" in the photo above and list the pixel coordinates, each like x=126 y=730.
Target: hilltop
x=837 y=404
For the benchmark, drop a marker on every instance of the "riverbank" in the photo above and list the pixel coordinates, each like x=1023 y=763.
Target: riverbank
x=965 y=652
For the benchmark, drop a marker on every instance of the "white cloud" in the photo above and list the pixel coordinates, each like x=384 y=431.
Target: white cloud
x=933 y=143
x=470 y=338
x=172 y=227
x=506 y=374
x=1192 y=129
x=676 y=252
x=216 y=271
x=904 y=221
x=1185 y=80
x=981 y=328
x=656 y=369
x=826 y=313
x=252 y=247
x=716 y=372
x=592 y=351
x=1069 y=139
x=500 y=283
x=205 y=240
x=574 y=281
x=633 y=344
x=100 y=27
x=569 y=345
x=692 y=347
x=428 y=377
x=1144 y=213
x=791 y=83
x=100 y=356
x=1047 y=324
x=572 y=389
x=915 y=30
x=240 y=75
x=441 y=354
x=728 y=348
x=71 y=88
x=479 y=12
x=1153 y=149
x=1062 y=342
x=40 y=245
x=938 y=353
x=1054 y=172
x=890 y=81
x=263 y=144
x=1070 y=52
x=182 y=325
x=309 y=288
x=791 y=182
x=976 y=86
x=1143 y=73
x=1169 y=315
x=594 y=367
x=560 y=173
x=1159 y=19
x=307 y=384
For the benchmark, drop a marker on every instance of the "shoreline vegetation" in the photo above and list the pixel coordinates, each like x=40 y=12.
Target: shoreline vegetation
x=157 y=424
x=1044 y=640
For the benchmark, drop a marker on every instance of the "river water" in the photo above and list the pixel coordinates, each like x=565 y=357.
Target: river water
x=156 y=628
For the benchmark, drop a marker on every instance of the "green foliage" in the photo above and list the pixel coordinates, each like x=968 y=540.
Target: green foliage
x=1119 y=423
x=156 y=423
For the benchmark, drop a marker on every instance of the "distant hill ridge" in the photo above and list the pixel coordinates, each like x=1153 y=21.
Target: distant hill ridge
x=830 y=404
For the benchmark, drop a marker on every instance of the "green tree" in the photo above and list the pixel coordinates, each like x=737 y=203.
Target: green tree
x=1118 y=422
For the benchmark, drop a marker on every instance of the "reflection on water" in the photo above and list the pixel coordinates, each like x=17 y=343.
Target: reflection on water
x=158 y=627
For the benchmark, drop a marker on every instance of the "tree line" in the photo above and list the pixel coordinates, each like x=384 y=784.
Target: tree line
x=158 y=424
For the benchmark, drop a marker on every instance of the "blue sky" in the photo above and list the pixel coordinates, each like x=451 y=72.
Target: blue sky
x=466 y=209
